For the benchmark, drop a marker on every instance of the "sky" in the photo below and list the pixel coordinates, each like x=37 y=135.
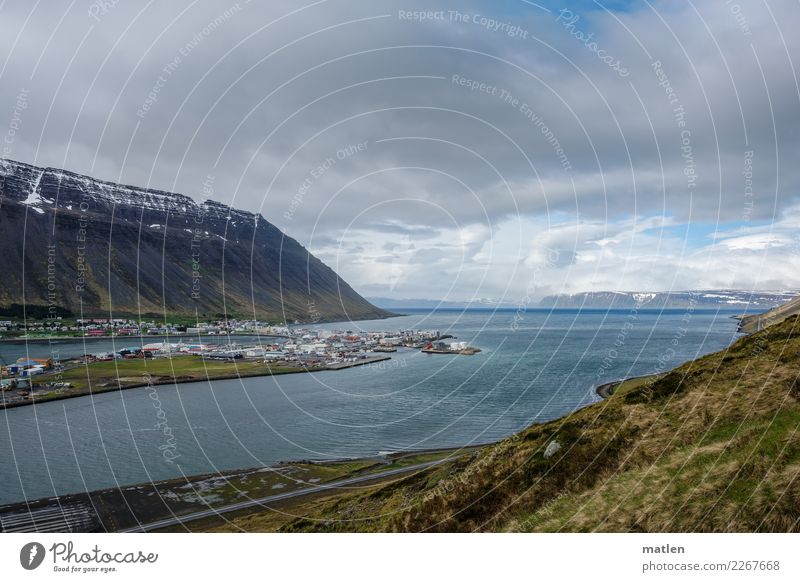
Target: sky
x=455 y=151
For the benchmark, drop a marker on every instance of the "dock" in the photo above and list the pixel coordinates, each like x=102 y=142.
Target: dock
x=361 y=362
x=465 y=352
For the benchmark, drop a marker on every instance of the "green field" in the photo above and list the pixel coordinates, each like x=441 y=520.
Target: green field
x=112 y=375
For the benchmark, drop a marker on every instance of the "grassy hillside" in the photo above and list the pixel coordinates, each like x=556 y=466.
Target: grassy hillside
x=759 y=321
x=711 y=446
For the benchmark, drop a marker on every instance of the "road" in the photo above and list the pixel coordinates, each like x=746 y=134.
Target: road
x=217 y=511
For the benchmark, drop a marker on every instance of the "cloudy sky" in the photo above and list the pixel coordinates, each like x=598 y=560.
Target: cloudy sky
x=477 y=149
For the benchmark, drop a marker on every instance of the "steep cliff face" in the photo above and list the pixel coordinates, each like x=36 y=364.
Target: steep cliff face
x=96 y=247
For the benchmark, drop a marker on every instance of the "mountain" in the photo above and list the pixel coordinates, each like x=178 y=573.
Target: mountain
x=743 y=301
x=701 y=299
x=73 y=244
x=759 y=321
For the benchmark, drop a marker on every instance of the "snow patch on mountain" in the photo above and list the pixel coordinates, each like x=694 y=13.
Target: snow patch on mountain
x=78 y=189
x=643 y=297
x=709 y=299
x=33 y=195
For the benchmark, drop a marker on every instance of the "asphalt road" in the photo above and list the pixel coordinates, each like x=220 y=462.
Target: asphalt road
x=217 y=511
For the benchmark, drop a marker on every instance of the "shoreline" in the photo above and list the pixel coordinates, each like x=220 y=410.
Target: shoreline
x=608 y=389
x=735 y=314
x=134 y=338
x=40 y=340
x=129 y=507
x=162 y=381
x=378 y=457
x=154 y=382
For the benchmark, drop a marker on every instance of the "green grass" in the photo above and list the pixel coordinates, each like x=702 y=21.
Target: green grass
x=126 y=373
x=630 y=385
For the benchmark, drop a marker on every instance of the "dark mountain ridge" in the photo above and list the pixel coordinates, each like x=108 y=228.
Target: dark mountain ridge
x=73 y=243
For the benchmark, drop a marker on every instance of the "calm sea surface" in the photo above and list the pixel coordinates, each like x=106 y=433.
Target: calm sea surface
x=541 y=368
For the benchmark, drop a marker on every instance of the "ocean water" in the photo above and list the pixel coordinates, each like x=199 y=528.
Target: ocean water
x=536 y=365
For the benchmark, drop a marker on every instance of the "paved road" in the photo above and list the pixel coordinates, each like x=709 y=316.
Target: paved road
x=181 y=519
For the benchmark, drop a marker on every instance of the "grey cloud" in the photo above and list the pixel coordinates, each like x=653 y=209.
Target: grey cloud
x=254 y=106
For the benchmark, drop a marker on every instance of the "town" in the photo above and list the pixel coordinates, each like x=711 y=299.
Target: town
x=182 y=355
x=99 y=327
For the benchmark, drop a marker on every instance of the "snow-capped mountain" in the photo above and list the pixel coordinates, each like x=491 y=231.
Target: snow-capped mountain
x=85 y=245
x=743 y=301
x=50 y=188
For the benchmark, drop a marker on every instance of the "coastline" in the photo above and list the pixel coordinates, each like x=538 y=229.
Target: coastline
x=607 y=390
x=131 y=508
x=154 y=382
x=42 y=340
x=163 y=380
x=134 y=338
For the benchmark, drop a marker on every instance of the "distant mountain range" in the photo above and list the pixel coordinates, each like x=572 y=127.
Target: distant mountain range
x=388 y=303
x=73 y=244
x=745 y=301
x=716 y=298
